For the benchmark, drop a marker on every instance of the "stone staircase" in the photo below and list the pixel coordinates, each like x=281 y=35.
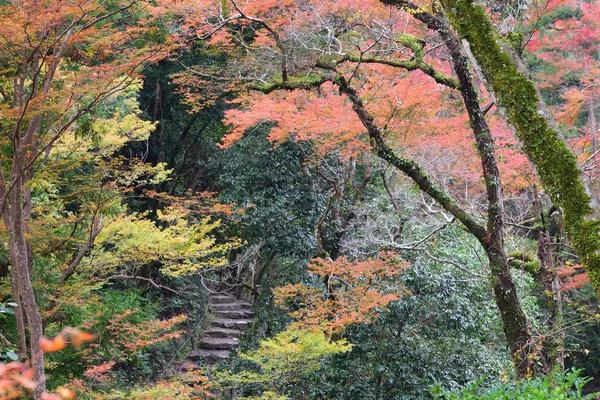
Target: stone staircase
x=231 y=317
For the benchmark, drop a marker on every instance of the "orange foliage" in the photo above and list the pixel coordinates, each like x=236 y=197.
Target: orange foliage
x=62 y=393
x=89 y=38
x=573 y=277
x=354 y=292
x=16 y=376
x=131 y=337
x=125 y=337
x=68 y=334
x=13 y=378
x=420 y=117
x=325 y=119
x=99 y=373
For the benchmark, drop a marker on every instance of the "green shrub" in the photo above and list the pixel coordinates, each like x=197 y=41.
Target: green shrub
x=559 y=386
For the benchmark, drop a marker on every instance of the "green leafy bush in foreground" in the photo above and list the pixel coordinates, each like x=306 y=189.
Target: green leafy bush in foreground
x=559 y=386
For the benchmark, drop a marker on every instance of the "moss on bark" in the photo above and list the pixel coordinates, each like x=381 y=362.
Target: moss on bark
x=516 y=94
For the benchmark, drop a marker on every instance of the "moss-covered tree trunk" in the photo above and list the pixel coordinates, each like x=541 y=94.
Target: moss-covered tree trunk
x=555 y=163
x=507 y=299
x=492 y=239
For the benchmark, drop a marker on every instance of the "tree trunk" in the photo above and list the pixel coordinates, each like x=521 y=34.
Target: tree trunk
x=548 y=277
x=509 y=305
x=593 y=126
x=157 y=115
x=492 y=240
x=19 y=318
x=516 y=94
x=15 y=217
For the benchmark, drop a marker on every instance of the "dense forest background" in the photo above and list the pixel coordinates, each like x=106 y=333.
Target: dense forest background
x=403 y=213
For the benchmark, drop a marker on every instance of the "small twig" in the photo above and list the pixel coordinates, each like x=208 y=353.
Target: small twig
x=488 y=107
x=150 y=281
x=454 y=263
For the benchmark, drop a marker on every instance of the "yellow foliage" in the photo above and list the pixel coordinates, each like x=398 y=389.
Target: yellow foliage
x=283 y=360
x=118 y=122
x=179 y=245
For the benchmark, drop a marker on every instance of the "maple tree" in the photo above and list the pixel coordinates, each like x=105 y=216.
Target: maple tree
x=60 y=61
x=369 y=49
x=390 y=126
x=183 y=247
x=353 y=294
x=123 y=337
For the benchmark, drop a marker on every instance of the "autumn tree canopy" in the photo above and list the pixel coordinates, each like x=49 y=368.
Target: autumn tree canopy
x=338 y=199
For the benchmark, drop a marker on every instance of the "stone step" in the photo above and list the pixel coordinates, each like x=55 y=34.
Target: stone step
x=231 y=323
x=231 y=316
x=230 y=306
x=209 y=353
x=234 y=314
x=221 y=298
x=219 y=343
x=215 y=331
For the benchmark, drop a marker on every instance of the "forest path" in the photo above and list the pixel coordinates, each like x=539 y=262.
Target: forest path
x=231 y=317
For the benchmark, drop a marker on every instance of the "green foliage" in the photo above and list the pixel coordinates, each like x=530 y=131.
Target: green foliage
x=284 y=208
x=583 y=339
x=515 y=40
x=268 y=395
x=188 y=385
x=8 y=308
x=110 y=125
x=7 y=350
x=558 y=386
x=185 y=139
x=446 y=331
x=281 y=362
x=94 y=316
x=280 y=222
x=546 y=20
